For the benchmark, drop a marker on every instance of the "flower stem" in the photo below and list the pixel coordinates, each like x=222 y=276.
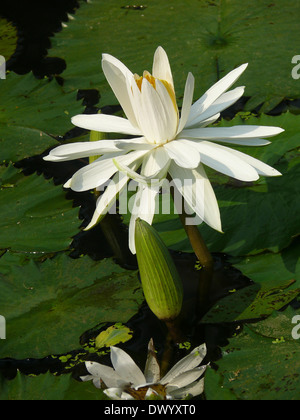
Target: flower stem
x=199 y=246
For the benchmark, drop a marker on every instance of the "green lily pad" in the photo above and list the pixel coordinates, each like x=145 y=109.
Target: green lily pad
x=251 y=303
x=257 y=367
x=34 y=215
x=32 y=113
x=49 y=305
x=48 y=387
x=272 y=267
x=8 y=38
x=209 y=38
x=214 y=389
x=277 y=283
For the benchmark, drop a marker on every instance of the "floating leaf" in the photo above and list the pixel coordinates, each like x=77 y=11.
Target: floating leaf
x=251 y=303
x=49 y=305
x=47 y=387
x=32 y=112
x=277 y=282
x=34 y=215
x=254 y=367
x=209 y=38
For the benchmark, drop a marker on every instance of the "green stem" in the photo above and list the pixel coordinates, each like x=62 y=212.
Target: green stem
x=199 y=246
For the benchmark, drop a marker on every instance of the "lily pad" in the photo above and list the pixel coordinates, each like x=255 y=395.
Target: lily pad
x=209 y=38
x=251 y=303
x=277 y=283
x=257 y=367
x=34 y=215
x=32 y=113
x=49 y=305
x=47 y=387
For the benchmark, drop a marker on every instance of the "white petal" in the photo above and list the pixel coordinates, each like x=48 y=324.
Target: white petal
x=106 y=374
x=81 y=149
x=187 y=101
x=152 y=369
x=116 y=73
x=125 y=367
x=236 y=132
x=132 y=174
x=139 y=143
x=209 y=121
x=261 y=167
x=126 y=396
x=223 y=160
x=186 y=378
x=155 y=162
x=117 y=394
x=105 y=123
x=107 y=199
x=144 y=208
x=133 y=218
x=147 y=203
x=183 y=153
x=224 y=102
x=154 y=169
x=161 y=66
x=215 y=92
x=170 y=109
x=189 y=362
x=97 y=173
x=192 y=390
x=154 y=121
x=197 y=191
x=245 y=142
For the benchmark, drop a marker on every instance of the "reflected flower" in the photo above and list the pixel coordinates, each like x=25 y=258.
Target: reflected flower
x=164 y=142
x=125 y=381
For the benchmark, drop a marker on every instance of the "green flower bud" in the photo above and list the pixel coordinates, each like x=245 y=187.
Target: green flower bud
x=161 y=283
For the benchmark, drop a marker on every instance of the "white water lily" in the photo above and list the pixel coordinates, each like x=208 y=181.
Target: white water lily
x=164 y=143
x=125 y=381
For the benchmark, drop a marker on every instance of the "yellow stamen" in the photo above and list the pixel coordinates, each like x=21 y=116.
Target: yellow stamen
x=152 y=80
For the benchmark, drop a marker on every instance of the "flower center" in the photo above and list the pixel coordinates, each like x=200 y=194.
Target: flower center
x=152 y=80
x=140 y=393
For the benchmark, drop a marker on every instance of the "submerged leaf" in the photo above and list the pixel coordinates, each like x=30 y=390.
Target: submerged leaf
x=49 y=305
x=113 y=335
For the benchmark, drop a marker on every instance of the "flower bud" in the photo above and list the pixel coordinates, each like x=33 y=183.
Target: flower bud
x=161 y=283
